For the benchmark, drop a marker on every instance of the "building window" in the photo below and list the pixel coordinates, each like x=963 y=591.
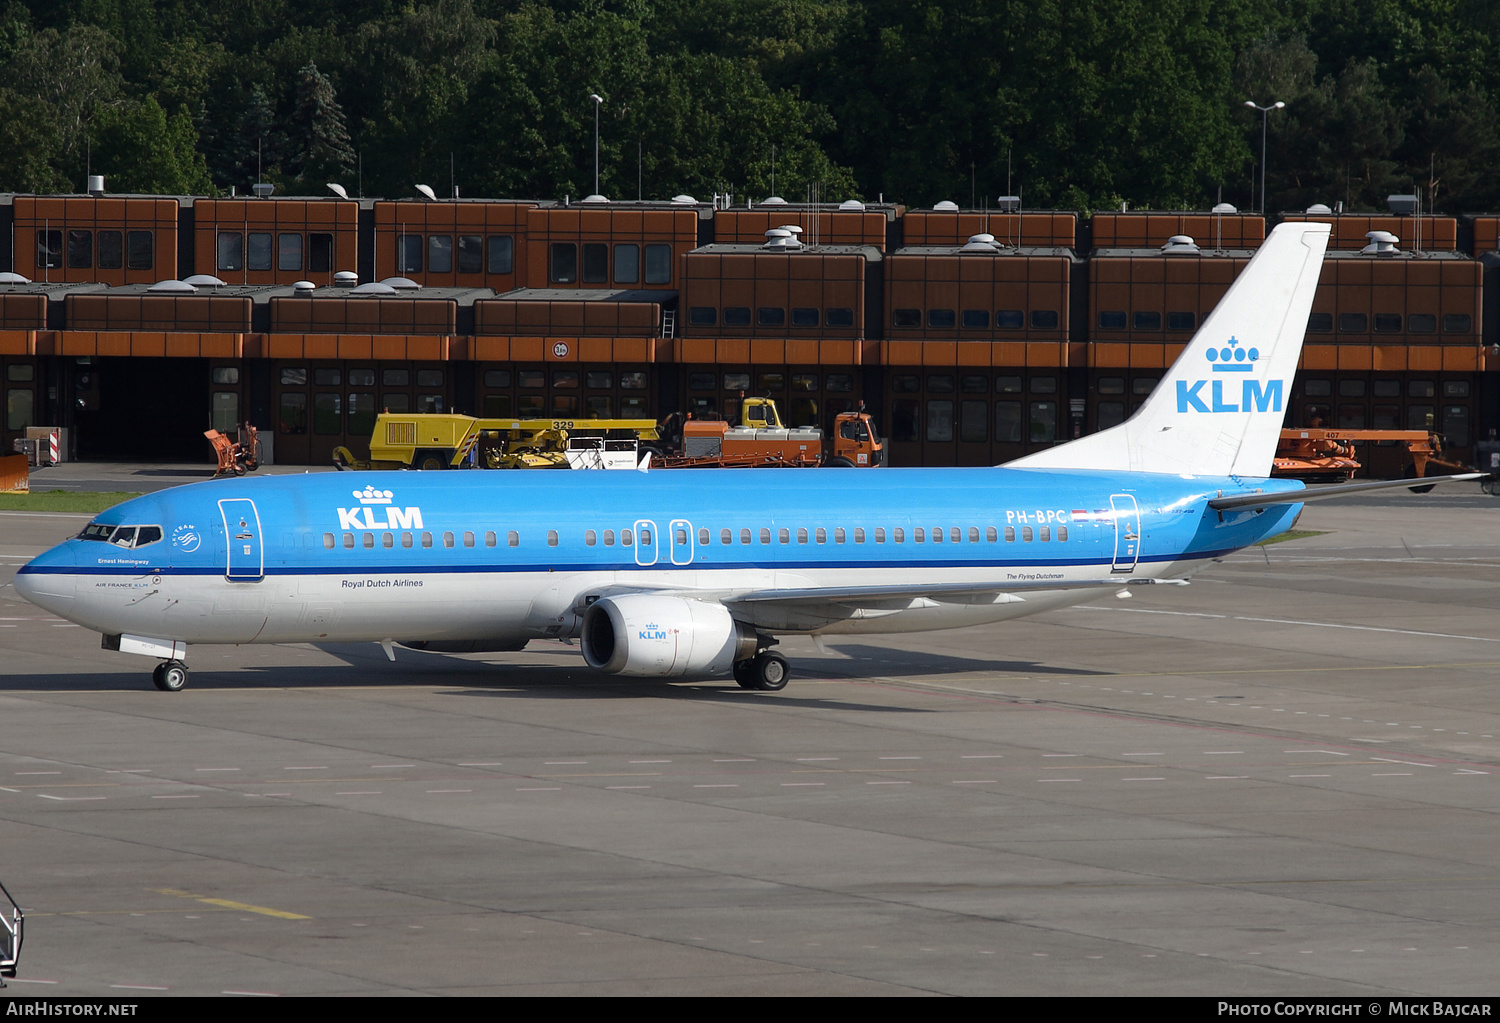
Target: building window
x=768 y=317
x=1457 y=323
x=658 y=264
x=259 y=251
x=1387 y=323
x=703 y=315
x=627 y=264
x=409 y=254
x=1010 y=319
x=231 y=246
x=906 y=318
x=470 y=254
x=320 y=252
x=1110 y=319
x=1044 y=319
x=1320 y=323
x=1353 y=323
x=804 y=317
x=49 y=250
x=502 y=254
x=839 y=316
x=1181 y=321
x=737 y=316
x=941 y=319
x=111 y=250
x=976 y=319
x=1147 y=321
x=440 y=253
x=595 y=263
x=1421 y=323
x=289 y=252
x=80 y=250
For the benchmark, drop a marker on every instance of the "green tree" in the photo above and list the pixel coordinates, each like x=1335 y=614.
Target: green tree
x=321 y=151
x=140 y=149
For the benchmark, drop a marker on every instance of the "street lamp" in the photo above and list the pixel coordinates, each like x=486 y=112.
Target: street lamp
x=597 y=100
x=1264 y=112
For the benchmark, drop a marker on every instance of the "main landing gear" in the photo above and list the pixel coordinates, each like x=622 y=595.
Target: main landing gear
x=170 y=676
x=768 y=671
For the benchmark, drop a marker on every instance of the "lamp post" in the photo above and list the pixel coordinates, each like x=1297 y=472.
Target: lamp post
x=597 y=100
x=1264 y=113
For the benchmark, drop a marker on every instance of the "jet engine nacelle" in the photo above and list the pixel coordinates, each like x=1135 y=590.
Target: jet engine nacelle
x=642 y=634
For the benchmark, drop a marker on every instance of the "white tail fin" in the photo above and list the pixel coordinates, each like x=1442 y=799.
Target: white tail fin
x=1219 y=409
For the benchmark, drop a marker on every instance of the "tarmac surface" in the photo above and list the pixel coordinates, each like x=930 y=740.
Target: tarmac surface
x=1282 y=780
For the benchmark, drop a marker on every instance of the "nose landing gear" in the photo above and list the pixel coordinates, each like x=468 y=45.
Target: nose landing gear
x=170 y=676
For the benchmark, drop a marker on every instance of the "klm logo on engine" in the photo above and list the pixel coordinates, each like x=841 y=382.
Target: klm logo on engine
x=652 y=631
x=1252 y=395
x=370 y=500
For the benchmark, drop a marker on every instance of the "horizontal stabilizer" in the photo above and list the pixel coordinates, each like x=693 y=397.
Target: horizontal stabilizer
x=1326 y=493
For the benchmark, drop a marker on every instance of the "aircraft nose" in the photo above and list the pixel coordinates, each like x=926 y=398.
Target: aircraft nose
x=50 y=580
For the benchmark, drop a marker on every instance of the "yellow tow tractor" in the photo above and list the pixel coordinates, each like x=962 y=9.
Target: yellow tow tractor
x=449 y=441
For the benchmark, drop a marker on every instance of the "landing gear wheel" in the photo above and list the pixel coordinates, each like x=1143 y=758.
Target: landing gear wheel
x=170 y=676
x=744 y=674
x=769 y=672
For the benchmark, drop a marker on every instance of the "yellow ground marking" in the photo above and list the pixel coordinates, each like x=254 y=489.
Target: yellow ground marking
x=243 y=907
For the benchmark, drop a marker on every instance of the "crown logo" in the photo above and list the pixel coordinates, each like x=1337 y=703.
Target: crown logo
x=1232 y=358
x=370 y=495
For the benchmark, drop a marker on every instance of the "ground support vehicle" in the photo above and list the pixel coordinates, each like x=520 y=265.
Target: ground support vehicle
x=1318 y=455
x=238 y=456
x=764 y=440
x=450 y=441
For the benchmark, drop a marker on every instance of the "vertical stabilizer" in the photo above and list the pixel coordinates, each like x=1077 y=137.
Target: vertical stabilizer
x=1219 y=409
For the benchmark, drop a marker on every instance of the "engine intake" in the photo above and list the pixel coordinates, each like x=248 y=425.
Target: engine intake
x=664 y=637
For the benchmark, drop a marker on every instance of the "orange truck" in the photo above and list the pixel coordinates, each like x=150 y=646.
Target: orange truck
x=763 y=439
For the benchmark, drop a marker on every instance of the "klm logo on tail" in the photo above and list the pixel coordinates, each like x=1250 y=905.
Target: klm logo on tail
x=1253 y=396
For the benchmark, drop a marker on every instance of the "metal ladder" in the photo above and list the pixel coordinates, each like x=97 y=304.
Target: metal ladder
x=669 y=323
x=10 y=937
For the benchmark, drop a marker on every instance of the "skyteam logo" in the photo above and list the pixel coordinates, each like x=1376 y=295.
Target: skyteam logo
x=370 y=500
x=1254 y=395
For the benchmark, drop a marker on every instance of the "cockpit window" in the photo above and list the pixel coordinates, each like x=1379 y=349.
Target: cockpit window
x=121 y=536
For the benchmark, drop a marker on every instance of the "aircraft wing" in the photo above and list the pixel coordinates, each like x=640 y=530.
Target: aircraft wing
x=1324 y=493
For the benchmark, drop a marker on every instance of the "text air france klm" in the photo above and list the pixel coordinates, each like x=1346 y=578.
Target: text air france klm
x=1254 y=395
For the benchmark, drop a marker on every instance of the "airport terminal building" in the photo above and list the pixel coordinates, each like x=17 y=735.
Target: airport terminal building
x=972 y=336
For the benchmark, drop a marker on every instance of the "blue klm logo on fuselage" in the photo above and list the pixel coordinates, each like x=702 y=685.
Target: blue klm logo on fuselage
x=1254 y=395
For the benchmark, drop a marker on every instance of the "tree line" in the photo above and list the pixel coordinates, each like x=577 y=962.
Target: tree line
x=1075 y=104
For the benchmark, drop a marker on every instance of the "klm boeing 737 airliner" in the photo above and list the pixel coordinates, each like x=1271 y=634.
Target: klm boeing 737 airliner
x=695 y=573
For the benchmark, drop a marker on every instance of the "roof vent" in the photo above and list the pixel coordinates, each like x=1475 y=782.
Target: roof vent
x=374 y=288
x=793 y=228
x=1008 y=203
x=304 y=286
x=345 y=279
x=263 y=189
x=982 y=243
x=684 y=200
x=946 y=206
x=773 y=200
x=1382 y=243
x=204 y=281
x=1180 y=245
x=427 y=192
x=10 y=278
x=1225 y=207
x=1319 y=209
x=1402 y=205
x=172 y=288
x=96 y=184
x=401 y=284
x=852 y=206
x=596 y=198
x=780 y=239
